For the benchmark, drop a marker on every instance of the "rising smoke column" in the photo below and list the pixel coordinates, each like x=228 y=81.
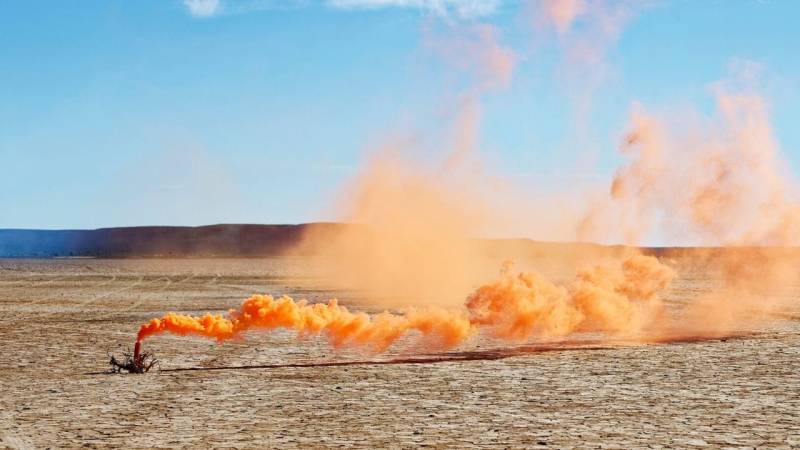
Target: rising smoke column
x=712 y=181
x=421 y=215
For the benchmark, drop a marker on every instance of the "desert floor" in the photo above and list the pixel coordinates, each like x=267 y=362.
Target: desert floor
x=60 y=318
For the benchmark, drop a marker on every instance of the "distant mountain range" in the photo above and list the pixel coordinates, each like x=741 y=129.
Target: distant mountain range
x=156 y=241
x=232 y=240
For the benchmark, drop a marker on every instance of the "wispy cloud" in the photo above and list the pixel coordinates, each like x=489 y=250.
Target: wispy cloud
x=461 y=8
x=202 y=8
x=217 y=8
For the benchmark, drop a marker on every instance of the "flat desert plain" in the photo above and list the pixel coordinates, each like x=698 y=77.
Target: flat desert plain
x=61 y=318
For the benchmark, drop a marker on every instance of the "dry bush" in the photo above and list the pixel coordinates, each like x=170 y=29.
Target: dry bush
x=133 y=364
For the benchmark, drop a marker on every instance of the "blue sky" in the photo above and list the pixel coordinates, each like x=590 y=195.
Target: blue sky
x=117 y=113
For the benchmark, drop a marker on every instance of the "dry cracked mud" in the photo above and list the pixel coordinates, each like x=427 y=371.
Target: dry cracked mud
x=61 y=317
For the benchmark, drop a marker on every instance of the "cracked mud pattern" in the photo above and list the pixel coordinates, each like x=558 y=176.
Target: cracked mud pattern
x=59 y=318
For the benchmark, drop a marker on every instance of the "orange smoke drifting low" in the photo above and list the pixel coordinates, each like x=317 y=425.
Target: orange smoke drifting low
x=618 y=300
x=343 y=328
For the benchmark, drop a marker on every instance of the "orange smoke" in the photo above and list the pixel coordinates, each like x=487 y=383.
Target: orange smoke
x=343 y=328
x=476 y=50
x=713 y=181
x=586 y=31
x=710 y=181
x=416 y=247
x=420 y=218
x=620 y=300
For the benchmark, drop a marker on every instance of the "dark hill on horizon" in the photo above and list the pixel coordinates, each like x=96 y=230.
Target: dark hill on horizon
x=223 y=240
x=228 y=240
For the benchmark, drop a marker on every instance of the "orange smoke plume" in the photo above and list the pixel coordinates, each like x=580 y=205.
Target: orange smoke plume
x=343 y=328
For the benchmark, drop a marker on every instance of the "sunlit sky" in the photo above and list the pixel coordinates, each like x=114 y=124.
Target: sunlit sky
x=164 y=112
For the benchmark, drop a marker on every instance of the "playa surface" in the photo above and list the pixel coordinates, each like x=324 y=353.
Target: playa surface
x=60 y=318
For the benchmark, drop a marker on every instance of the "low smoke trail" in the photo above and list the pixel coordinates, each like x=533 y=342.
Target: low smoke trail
x=343 y=327
x=621 y=299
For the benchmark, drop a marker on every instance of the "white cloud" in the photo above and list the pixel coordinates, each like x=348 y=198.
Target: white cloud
x=461 y=8
x=202 y=8
x=465 y=9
